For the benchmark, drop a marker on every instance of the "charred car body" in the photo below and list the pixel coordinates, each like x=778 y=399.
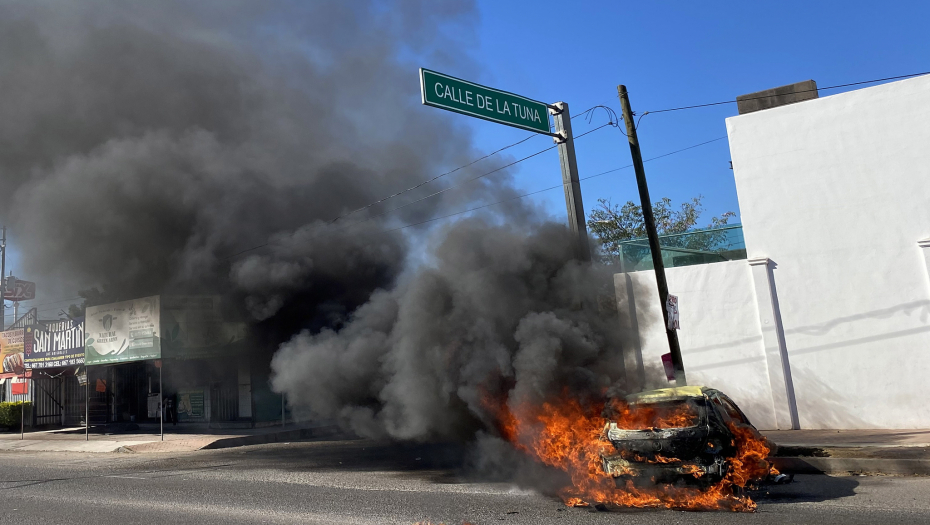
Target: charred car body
x=673 y=434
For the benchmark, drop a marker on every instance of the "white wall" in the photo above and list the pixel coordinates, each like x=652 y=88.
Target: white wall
x=720 y=335
x=836 y=193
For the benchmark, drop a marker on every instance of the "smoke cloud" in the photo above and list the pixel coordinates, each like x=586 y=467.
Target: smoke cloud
x=501 y=314
x=176 y=147
x=142 y=144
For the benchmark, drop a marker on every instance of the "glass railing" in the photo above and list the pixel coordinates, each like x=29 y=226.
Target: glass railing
x=686 y=249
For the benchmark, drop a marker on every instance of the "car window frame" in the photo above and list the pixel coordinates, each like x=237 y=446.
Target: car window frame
x=730 y=408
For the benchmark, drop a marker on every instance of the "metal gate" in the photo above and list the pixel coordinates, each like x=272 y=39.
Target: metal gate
x=74 y=401
x=224 y=402
x=48 y=405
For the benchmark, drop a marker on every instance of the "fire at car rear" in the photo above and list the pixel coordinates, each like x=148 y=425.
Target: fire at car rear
x=675 y=435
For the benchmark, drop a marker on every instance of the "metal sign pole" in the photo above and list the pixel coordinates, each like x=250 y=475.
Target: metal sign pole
x=3 y=281
x=22 y=412
x=86 y=403
x=566 y=142
x=161 y=397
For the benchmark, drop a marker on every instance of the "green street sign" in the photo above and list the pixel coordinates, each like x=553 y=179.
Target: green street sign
x=461 y=96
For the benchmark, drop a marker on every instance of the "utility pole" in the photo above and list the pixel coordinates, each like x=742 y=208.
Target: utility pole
x=3 y=281
x=566 y=142
x=650 y=223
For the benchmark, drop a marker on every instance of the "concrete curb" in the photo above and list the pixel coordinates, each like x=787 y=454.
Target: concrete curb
x=896 y=467
x=261 y=439
x=282 y=436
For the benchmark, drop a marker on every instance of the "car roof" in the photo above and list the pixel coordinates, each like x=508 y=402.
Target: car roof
x=667 y=394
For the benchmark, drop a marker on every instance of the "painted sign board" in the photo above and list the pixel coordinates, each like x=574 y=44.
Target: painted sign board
x=122 y=332
x=60 y=343
x=193 y=327
x=12 y=344
x=16 y=290
x=192 y=405
x=461 y=96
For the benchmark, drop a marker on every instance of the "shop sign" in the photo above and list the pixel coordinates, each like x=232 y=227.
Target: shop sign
x=11 y=352
x=191 y=405
x=16 y=290
x=193 y=327
x=55 y=344
x=122 y=332
x=19 y=387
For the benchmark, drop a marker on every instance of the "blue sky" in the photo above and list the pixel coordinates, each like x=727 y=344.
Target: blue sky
x=672 y=54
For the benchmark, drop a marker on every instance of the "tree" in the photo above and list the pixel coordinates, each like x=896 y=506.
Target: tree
x=613 y=224
x=92 y=297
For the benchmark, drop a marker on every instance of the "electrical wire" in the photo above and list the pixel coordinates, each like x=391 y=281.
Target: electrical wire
x=551 y=187
x=493 y=203
x=479 y=176
x=448 y=188
x=804 y=91
x=437 y=177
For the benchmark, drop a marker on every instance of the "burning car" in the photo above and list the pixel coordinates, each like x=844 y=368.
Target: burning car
x=691 y=434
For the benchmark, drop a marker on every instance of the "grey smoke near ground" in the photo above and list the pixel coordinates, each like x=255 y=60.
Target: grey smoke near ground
x=502 y=314
x=143 y=146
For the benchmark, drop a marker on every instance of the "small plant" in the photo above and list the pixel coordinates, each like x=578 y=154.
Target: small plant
x=10 y=413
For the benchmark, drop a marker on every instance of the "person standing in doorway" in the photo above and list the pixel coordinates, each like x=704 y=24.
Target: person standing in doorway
x=171 y=409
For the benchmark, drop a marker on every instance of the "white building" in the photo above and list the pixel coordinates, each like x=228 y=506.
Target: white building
x=827 y=325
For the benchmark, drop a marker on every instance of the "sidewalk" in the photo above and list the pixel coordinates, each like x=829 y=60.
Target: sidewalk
x=867 y=451
x=147 y=441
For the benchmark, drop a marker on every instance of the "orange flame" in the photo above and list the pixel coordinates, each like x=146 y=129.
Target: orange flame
x=569 y=436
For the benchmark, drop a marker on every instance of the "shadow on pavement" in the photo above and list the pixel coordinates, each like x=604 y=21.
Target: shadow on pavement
x=807 y=488
x=353 y=454
x=447 y=463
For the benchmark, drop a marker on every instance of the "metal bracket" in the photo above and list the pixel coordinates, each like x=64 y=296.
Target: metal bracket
x=560 y=137
x=556 y=109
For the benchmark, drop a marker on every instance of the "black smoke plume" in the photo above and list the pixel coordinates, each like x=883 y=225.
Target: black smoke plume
x=500 y=314
x=205 y=147
x=142 y=144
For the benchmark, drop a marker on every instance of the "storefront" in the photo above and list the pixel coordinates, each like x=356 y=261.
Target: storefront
x=176 y=345
x=53 y=355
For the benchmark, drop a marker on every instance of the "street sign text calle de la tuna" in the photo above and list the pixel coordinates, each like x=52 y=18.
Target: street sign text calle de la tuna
x=442 y=91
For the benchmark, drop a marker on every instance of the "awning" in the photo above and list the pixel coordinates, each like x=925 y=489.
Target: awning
x=13 y=376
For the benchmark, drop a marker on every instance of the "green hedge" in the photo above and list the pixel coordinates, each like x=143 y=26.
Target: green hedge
x=10 y=413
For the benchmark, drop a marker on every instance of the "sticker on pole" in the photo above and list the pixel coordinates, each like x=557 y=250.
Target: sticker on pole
x=671 y=307
x=668 y=366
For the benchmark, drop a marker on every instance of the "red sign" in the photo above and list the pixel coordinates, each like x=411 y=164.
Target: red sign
x=668 y=366
x=17 y=290
x=19 y=388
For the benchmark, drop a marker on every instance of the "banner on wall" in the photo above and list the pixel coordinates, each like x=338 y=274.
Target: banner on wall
x=123 y=331
x=51 y=345
x=193 y=327
x=12 y=344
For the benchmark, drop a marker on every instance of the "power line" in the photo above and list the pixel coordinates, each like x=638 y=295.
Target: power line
x=437 y=177
x=477 y=207
x=448 y=188
x=804 y=91
x=51 y=302
x=551 y=187
x=401 y=192
x=478 y=177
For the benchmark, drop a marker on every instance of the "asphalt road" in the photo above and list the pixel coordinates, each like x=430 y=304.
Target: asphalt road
x=360 y=482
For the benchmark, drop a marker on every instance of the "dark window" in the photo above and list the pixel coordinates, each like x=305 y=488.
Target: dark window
x=732 y=411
